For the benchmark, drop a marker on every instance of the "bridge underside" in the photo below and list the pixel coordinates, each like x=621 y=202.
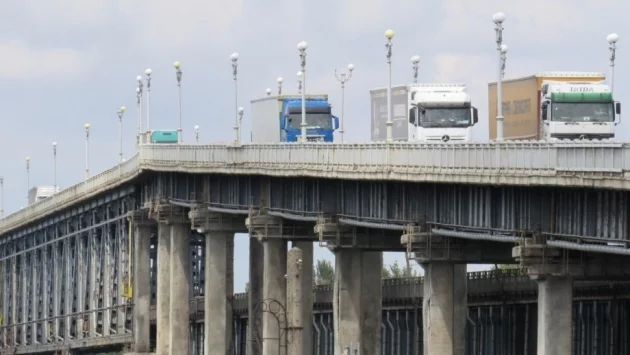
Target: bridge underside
x=67 y=280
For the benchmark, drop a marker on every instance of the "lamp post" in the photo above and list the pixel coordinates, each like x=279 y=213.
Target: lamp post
x=300 y=77
x=197 y=134
x=302 y=50
x=612 y=40
x=504 y=50
x=178 y=72
x=139 y=97
x=121 y=112
x=498 y=19
x=240 y=112
x=415 y=61
x=87 y=150
x=268 y=91
x=54 y=145
x=234 y=58
x=343 y=78
x=148 y=77
x=28 y=178
x=1 y=197
x=279 y=81
x=389 y=34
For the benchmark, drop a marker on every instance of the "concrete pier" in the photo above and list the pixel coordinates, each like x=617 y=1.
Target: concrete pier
x=357 y=300
x=444 y=308
x=256 y=274
x=555 y=315
x=179 y=330
x=141 y=283
x=274 y=319
x=306 y=290
x=163 y=289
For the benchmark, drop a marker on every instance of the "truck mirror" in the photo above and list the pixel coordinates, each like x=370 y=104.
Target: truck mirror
x=618 y=108
x=283 y=121
x=544 y=112
x=335 y=122
x=412 y=116
x=475 y=115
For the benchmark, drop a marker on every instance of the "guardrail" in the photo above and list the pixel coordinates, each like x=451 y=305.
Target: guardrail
x=403 y=161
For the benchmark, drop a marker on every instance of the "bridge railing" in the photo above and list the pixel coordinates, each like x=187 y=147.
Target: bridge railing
x=530 y=158
x=361 y=159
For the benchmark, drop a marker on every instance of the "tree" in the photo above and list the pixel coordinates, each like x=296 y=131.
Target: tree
x=247 y=287
x=394 y=271
x=324 y=273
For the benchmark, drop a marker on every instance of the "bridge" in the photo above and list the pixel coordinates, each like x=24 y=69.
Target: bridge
x=77 y=266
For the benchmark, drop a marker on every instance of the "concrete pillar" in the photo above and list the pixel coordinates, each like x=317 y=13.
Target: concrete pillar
x=555 y=316
x=163 y=289
x=141 y=281
x=295 y=302
x=219 y=290
x=307 y=295
x=179 y=316
x=444 y=308
x=357 y=301
x=256 y=270
x=274 y=320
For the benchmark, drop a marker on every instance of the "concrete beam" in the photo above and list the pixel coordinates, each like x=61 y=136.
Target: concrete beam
x=263 y=226
x=427 y=248
x=541 y=261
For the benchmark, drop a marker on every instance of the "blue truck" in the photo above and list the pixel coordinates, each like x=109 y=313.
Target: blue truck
x=279 y=118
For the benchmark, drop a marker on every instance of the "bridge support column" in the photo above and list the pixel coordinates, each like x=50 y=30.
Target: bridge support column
x=555 y=315
x=444 y=308
x=256 y=271
x=306 y=297
x=141 y=280
x=273 y=306
x=219 y=277
x=357 y=300
x=173 y=280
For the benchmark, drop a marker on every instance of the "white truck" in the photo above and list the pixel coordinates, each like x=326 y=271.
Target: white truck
x=578 y=110
x=425 y=113
x=39 y=193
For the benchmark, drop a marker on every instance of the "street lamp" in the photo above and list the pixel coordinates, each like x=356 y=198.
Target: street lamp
x=148 y=77
x=139 y=97
x=302 y=50
x=279 y=80
x=504 y=49
x=415 y=61
x=87 y=150
x=28 y=178
x=612 y=40
x=498 y=19
x=300 y=77
x=1 y=197
x=389 y=34
x=240 y=112
x=197 y=134
x=54 y=145
x=268 y=91
x=178 y=72
x=343 y=78
x=234 y=58
x=121 y=112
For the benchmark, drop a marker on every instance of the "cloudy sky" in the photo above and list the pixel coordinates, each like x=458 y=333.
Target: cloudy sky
x=64 y=63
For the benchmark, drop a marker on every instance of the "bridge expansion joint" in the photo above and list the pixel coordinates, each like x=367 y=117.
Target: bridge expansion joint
x=165 y=213
x=425 y=247
x=203 y=221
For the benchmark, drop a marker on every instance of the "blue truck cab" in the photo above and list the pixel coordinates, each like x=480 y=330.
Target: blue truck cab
x=321 y=123
x=278 y=119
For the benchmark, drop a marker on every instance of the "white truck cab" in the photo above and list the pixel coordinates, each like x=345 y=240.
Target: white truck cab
x=440 y=113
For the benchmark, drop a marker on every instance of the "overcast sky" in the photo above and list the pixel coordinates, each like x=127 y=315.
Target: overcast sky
x=64 y=63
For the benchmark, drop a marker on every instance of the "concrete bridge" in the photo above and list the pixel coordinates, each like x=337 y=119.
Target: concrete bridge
x=75 y=265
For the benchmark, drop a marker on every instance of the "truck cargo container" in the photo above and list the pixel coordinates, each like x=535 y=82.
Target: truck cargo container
x=424 y=113
x=38 y=193
x=555 y=105
x=279 y=119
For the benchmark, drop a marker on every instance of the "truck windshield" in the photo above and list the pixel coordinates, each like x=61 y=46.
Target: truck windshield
x=313 y=120
x=445 y=117
x=583 y=112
